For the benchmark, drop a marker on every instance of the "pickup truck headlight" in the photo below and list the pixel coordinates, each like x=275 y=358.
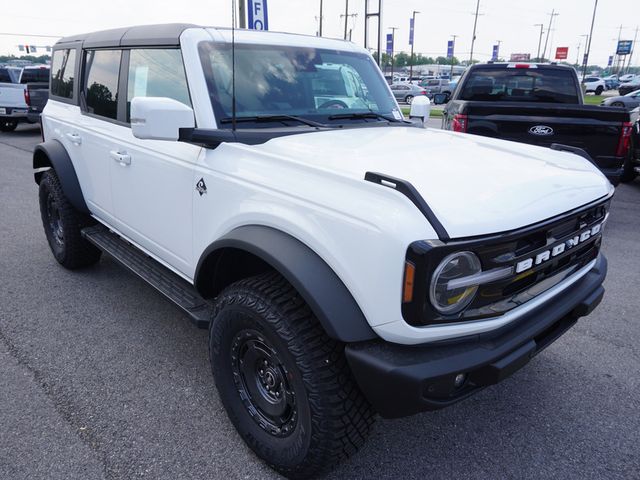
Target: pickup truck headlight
x=448 y=298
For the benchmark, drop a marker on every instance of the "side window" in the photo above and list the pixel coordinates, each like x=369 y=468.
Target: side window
x=156 y=73
x=4 y=76
x=63 y=69
x=101 y=70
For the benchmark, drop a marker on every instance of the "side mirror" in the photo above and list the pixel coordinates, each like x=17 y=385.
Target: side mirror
x=440 y=98
x=420 y=109
x=159 y=118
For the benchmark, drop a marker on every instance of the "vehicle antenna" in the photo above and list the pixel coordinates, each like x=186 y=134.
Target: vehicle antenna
x=233 y=65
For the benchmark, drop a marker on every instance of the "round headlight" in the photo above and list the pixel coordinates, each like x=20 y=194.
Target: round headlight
x=449 y=300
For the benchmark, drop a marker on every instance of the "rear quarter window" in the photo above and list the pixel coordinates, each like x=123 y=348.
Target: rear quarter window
x=102 y=68
x=63 y=73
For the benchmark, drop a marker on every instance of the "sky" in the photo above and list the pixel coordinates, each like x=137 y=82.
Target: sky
x=509 y=21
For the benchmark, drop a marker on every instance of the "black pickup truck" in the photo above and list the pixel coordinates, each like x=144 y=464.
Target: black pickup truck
x=540 y=104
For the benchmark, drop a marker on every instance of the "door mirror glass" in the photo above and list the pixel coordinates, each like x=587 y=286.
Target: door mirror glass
x=159 y=118
x=440 y=98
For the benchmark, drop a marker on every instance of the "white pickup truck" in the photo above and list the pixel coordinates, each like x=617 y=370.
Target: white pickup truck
x=23 y=94
x=346 y=261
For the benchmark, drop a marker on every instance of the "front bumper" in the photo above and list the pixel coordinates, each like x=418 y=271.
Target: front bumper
x=400 y=380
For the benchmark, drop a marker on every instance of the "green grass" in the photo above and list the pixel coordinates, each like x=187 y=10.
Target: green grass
x=434 y=113
x=593 y=99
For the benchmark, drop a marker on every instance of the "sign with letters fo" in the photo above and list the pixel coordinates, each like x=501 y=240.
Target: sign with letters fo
x=258 y=18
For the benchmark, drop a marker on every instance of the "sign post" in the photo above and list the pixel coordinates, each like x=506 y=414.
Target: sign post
x=258 y=18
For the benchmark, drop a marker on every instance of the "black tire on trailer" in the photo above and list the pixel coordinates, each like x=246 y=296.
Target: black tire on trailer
x=285 y=384
x=62 y=225
x=8 y=125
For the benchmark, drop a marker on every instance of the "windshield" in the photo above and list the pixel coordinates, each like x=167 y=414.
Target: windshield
x=521 y=85
x=39 y=74
x=326 y=86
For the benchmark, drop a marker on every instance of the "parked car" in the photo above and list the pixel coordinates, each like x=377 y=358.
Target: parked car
x=405 y=92
x=434 y=86
x=629 y=87
x=335 y=277
x=22 y=100
x=594 y=85
x=540 y=104
x=611 y=83
x=628 y=77
x=628 y=101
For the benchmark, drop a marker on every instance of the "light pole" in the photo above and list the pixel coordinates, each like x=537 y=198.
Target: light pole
x=473 y=37
x=586 y=55
x=586 y=38
x=393 y=41
x=412 y=33
x=452 y=55
x=546 y=40
x=541 y=25
x=320 y=25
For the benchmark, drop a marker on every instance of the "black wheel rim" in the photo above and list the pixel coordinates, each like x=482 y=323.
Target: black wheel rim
x=264 y=383
x=55 y=224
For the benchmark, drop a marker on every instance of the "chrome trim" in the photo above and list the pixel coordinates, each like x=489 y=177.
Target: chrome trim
x=480 y=278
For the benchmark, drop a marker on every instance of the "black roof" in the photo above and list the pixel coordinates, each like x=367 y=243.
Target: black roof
x=161 y=34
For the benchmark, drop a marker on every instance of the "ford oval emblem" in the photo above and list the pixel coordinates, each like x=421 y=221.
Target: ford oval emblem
x=541 y=130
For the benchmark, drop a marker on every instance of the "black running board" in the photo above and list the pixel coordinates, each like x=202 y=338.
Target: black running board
x=172 y=286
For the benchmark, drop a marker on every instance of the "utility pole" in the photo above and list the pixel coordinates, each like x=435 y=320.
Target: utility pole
x=454 y=52
x=320 y=21
x=242 y=13
x=541 y=25
x=586 y=55
x=618 y=56
x=633 y=48
x=546 y=41
x=586 y=39
x=368 y=14
x=473 y=37
x=412 y=37
x=346 y=17
x=393 y=43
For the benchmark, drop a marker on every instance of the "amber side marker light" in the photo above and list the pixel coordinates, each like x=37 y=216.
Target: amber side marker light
x=409 y=275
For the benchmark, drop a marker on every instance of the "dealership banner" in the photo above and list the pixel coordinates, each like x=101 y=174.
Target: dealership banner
x=258 y=19
x=494 y=54
x=389 y=44
x=411 y=31
x=624 y=47
x=450 y=47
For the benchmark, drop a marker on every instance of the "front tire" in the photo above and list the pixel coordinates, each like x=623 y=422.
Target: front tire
x=285 y=384
x=599 y=90
x=62 y=225
x=408 y=99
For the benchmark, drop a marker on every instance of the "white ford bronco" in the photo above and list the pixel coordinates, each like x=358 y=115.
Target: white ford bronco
x=347 y=262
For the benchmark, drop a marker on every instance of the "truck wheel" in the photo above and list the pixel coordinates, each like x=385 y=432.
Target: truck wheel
x=285 y=384
x=408 y=99
x=599 y=90
x=8 y=125
x=628 y=170
x=62 y=225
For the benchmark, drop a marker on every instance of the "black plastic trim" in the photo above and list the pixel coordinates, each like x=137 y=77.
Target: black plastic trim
x=409 y=191
x=315 y=281
x=59 y=159
x=561 y=147
x=401 y=380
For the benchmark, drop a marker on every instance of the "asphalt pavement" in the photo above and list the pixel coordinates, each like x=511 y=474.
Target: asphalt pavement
x=101 y=377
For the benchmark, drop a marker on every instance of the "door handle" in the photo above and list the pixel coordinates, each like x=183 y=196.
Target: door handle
x=123 y=158
x=74 y=138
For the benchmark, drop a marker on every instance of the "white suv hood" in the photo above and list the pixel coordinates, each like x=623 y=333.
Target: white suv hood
x=474 y=185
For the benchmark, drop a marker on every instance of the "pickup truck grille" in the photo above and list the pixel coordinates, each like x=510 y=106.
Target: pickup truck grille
x=509 y=250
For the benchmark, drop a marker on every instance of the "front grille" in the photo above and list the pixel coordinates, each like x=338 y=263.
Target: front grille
x=507 y=250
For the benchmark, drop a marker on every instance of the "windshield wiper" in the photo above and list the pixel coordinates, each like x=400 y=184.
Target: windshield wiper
x=356 y=115
x=275 y=118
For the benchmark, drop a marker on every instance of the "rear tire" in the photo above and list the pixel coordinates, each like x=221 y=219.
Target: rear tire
x=62 y=225
x=599 y=90
x=408 y=99
x=628 y=170
x=285 y=384
x=8 y=125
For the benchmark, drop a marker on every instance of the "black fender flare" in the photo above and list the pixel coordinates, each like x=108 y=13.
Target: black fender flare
x=53 y=154
x=317 y=283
